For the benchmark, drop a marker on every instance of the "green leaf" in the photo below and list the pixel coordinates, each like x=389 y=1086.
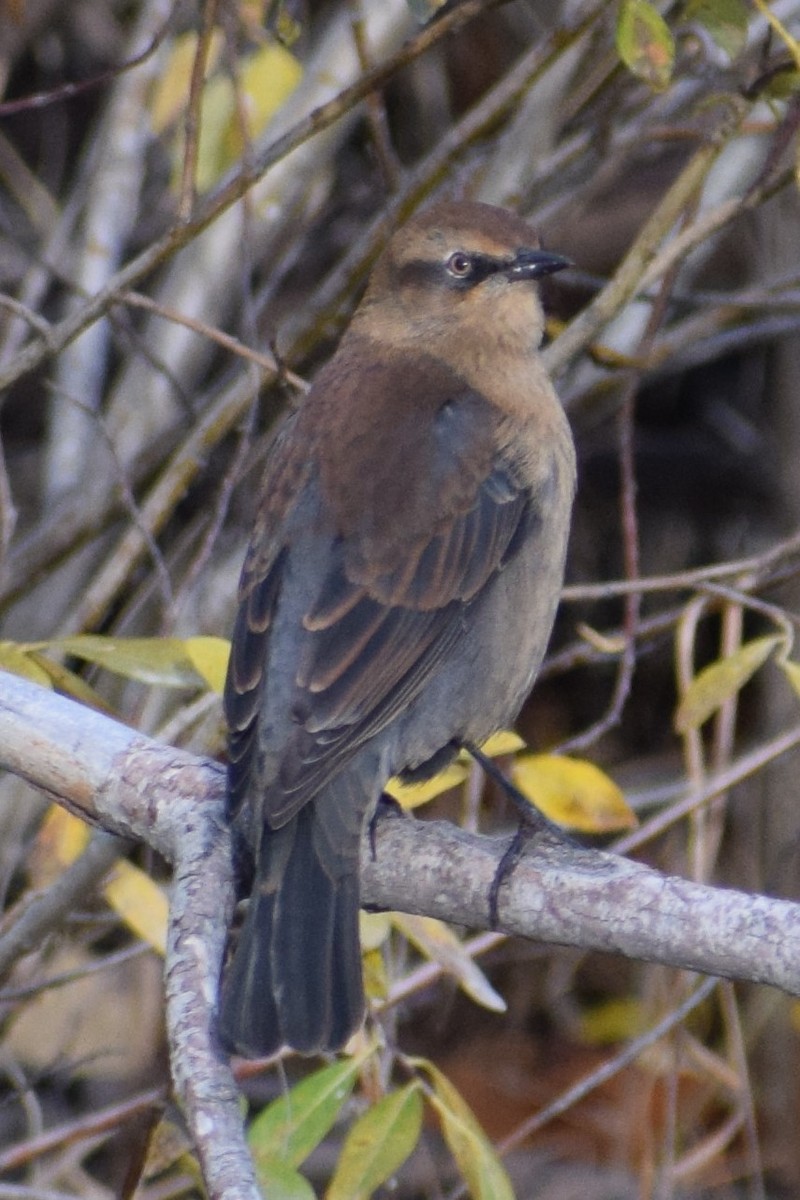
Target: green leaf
x=717 y=683
x=477 y=1160
x=279 y=1181
x=783 y=86
x=378 y=1143
x=163 y=661
x=292 y=1126
x=725 y=20
x=644 y=43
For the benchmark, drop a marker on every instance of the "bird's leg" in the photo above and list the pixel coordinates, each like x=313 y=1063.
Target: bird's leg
x=532 y=823
x=528 y=813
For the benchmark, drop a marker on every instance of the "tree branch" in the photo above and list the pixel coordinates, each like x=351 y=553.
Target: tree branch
x=134 y=786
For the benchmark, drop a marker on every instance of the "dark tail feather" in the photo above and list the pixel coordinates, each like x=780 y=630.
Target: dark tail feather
x=295 y=978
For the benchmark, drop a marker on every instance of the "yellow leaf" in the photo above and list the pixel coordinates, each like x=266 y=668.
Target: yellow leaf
x=70 y=684
x=573 y=792
x=794 y=1015
x=792 y=672
x=60 y=840
x=717 y=683
x=373 y=969
x=162 y=661
x=19 y=661
x=168 y=1145
x=133 y=895
x=68 y=835
x=267 y=79
x=216 y=111
x=412 y=795
x=505 y=742
x=601 y=641
x=209 y=657
x=171 y=92
x=436 y=941
x=140 y=902
x=475 y=1155
x=374 y=928
x=613 y=1021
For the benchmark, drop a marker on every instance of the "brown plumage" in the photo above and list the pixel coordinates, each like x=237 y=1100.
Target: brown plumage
x=397 y=595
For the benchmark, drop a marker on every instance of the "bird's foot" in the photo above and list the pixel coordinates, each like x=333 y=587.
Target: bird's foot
x=532 y=824
x=386 y=806
x=527 y=829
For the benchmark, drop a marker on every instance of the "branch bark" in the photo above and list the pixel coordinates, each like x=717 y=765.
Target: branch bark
x=136 y=787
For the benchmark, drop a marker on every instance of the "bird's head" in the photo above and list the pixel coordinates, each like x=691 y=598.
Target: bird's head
x=455 y=276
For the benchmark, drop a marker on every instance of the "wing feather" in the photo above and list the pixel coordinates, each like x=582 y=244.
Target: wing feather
x=393 y=595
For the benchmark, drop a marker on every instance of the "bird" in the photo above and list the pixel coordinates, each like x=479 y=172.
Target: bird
x=396 y=598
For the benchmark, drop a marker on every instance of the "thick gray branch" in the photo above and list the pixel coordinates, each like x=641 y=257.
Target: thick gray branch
x=135 y=786
x=581 y=897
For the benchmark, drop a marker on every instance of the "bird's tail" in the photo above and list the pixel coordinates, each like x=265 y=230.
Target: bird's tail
x=295 y=977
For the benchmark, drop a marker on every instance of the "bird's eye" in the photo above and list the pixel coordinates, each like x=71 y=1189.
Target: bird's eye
x=459 y=264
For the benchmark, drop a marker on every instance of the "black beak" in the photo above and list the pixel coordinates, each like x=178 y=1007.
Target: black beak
x=533 y=264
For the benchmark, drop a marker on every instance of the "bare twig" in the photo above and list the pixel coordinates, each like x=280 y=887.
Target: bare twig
x=644 y=263
x=109 y=215
x=755 y=564
x=191 y=125
x=107 y=1120
x=611 y=1068
x=161 y=500
x=40 y=913
x=235 y=186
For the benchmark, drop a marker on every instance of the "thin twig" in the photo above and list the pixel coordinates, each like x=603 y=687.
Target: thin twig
x=236 y=185
x=191 y=123
x=103 y=1121
x=263 y=359
x=40 y=913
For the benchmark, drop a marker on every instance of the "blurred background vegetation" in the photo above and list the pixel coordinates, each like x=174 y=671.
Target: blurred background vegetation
x=152 y=329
